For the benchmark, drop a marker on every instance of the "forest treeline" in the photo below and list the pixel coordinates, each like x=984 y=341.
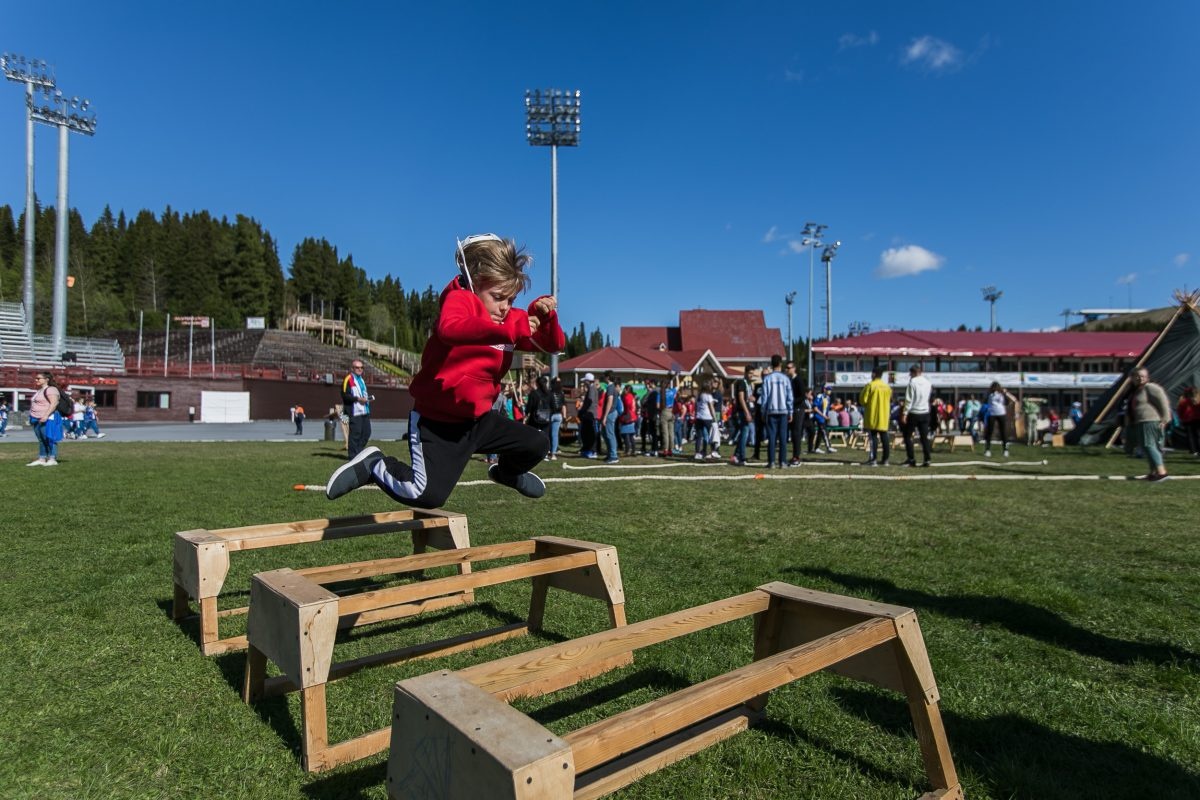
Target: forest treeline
x=198 y=264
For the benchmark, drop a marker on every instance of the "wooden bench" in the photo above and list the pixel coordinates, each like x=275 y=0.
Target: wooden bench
x=954 y=440
x=294 y=620
x=455 y=737
x=201 y=561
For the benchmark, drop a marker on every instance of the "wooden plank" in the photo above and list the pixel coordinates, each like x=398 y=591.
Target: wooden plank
x=359 y=747
x=602 y=582
x=863 y=608
x=314 y=735
x=514 y=671
x=282 y=684
x=453 y=741
x=395 y=595
x=605 y=740
x=293 y=621
x=623 y=771
x=310 y=525
x=414 y=563
x=200 y=564
x=402 y=611
x=259 y=540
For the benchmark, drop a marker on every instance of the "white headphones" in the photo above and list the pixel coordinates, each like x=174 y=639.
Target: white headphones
x=463 y=272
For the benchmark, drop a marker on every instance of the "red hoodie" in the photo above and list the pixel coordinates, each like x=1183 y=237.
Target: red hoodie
x=467 y=355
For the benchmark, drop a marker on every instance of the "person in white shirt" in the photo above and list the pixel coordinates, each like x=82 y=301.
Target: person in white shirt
x=914 y=415
x=997 y=420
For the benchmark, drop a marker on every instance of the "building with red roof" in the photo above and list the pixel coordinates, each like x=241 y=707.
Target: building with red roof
x=1063 y=366
x=717 y=343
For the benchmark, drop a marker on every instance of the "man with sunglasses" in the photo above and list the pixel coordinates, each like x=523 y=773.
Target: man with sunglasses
x=357 y=402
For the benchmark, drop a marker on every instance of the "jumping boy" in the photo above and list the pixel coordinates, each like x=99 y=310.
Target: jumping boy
x=462 y=366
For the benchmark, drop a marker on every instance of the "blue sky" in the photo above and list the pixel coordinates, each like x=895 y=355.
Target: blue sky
x=1049 y=149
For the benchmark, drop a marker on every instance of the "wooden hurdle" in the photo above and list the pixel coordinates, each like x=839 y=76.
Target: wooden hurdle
x=201 y=561
x=294 y=620
x=455 y=738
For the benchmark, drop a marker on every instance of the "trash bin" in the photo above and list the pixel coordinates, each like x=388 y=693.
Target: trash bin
x=191 y=413
x=329 y=430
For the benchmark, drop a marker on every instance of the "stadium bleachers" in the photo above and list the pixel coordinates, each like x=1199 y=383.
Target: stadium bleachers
x=18 y=349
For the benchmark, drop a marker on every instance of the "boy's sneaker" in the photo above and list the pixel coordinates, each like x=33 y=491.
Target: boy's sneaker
x=526 y=483
x=612 y=461
x=1006 y=453
x=987 y=453
x=1156 y=478
x=354 y=473
x=38 y=462
x=53 y=462
x=698 y=457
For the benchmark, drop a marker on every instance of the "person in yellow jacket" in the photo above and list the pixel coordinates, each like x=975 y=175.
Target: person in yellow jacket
x=876 y=402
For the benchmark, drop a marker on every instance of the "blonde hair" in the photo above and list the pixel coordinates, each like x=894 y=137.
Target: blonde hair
x=498 y=263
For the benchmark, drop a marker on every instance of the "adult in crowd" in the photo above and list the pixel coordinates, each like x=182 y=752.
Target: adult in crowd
x=298 y=418
x=914 y=415
x=1031 y=407
x=799 y=411
x=45 y=419
x=588 y=406
x=560 y=413
x=876 y=399
x=706 y=417
x=823 y=418
x=741 y=416
x=539 y=407
x=649 y=420
x=628 y=420
x=357 y=402
x=612 y=410
x=778 y=404
x=3 y=418
x=1150 y=412
x=1188 y=411
x=666 y=417
x=996 y=409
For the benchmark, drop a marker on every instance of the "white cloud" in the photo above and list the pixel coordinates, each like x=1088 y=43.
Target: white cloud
x=797 y=247
x=1182 y=258
x=898 y=262
x=1125 y=280
x=932 y=54
x=847 y=40
x=793 y=76
x=771 y=235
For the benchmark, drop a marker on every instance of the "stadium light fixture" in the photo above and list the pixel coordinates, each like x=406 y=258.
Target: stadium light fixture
x=31 y=72
x=552 y=119
x=812 y=240
x=991 y=295
x=67 y=114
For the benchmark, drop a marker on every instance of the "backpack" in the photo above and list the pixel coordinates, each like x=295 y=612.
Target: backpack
x=541 y=414
x=66 y=406
x=618 y=404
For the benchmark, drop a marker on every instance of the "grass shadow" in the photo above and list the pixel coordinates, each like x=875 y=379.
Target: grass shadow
x=348 y=784
x=651 y=678
x=1017 y=757
x=1021 y=618
x=338 y=455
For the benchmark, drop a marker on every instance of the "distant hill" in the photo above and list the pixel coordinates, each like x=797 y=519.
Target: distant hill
x=1152 y=320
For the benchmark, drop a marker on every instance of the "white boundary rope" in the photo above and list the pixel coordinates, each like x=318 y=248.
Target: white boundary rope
x=763 y=464
x=784 y=475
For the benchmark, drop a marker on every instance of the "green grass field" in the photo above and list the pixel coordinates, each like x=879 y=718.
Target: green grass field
x=1062 y=619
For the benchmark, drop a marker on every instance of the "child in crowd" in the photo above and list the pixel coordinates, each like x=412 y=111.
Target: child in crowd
x=468 y=353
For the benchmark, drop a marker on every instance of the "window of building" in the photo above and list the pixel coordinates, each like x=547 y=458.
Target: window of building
x=966 y=366
x=105 y=398
x=1035 y=365
x=153 y=399
x=904 y=366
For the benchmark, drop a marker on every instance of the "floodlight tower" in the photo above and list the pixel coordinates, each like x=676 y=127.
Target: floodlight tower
x=1066 y=315
x=790 y=298
x=991 y=295
x=859 y=328
x=812 y=240
x=31 y=72
x=827 y=256
x=67 y=114
x=552 y=119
